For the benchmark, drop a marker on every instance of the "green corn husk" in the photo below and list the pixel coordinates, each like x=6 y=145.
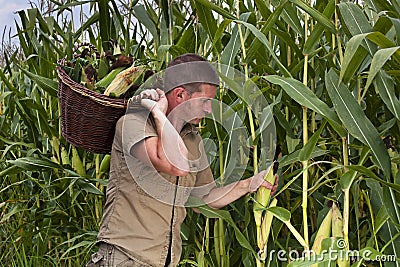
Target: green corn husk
x=324 y=231
x=77 y=163
x=266 y=224
x=64 y=156
x=124 y=80
x=106 y=80
x=105 y=165
x=262 y=198
x=55 y=143
x=337 y=232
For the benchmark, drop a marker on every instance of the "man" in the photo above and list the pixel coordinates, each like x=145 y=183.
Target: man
x=157 y=161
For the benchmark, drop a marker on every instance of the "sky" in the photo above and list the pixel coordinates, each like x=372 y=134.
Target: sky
x=7 y=10
x=8 y=16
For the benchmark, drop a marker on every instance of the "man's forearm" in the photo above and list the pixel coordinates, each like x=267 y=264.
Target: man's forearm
x=170 y=144
x=221 y=196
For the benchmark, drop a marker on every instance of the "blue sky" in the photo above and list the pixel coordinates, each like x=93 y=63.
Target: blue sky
x=7 y=10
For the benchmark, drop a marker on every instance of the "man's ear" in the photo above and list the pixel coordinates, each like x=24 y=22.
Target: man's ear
x=180 y=95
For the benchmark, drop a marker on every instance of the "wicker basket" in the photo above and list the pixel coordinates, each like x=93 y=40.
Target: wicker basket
x=88 y=118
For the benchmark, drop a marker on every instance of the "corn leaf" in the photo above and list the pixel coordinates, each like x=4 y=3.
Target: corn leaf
x=225 y=215
x=209 y=5
x=46 y=84
x=290 y=16
x=271 y=20
x=142 y=15
x=305 y=97
x=280 y=213
x=315 y=14
x=88 y=186
x=356 y=22
x=379 y=59
x=260 y=36
x=232 y=48
x=353 y=57
x=294 y=157
x=104 y=23
x=356 y=122
x=30 y=163
x=385 y=85
x=308 y=148
x=354 y=18
x=318 y=30
x=388 y=231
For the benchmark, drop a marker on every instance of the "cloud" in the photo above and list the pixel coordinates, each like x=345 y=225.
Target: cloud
x=8 y=11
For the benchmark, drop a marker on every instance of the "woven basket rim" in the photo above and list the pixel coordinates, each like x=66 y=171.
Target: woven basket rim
x=95 y=96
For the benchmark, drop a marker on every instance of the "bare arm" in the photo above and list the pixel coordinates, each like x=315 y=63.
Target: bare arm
x=167 y=151
x=221 y=196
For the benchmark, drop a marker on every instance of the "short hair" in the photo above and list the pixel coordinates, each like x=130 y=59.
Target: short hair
x=189 y=57
x=185 y=58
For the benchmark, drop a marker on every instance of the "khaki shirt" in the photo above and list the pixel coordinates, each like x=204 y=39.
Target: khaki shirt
x=137 y=216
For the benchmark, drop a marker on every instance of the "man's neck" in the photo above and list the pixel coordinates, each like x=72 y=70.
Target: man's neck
x=177 y=122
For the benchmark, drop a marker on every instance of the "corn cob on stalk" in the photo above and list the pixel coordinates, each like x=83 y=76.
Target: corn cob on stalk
x=324 y=231
x=262 y=198
x=124 y=80
x=64 y=156
x=337 y=232
x=266 y=227
x=105 y=165
x=77 y=163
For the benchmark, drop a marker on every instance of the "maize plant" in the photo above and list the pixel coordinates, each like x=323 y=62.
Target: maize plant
x=329 y=71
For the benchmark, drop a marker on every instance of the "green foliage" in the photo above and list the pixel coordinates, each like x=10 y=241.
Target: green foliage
x=329 y=70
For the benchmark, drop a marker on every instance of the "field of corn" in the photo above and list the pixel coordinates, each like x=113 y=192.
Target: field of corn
x=330 y=70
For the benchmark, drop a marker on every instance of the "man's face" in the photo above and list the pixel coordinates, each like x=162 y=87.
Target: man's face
x=199 y=104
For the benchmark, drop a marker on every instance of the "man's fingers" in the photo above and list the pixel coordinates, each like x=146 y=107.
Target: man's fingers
x=148 y=103
x=160 y=92
x=150 y=94
x=154 y=95
x=267 y=185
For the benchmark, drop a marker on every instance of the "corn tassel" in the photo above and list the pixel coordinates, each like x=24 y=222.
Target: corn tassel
x=337 y=232
x=106 y=80
x=262 y=198
x=124 y=80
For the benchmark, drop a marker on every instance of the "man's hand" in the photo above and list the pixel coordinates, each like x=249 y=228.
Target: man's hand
x=258 y=180
x=154 y=99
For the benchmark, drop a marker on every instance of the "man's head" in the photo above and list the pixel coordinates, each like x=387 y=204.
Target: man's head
x=190 y=78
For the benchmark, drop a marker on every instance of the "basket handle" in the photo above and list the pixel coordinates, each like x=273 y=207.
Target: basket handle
x=92 y=49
